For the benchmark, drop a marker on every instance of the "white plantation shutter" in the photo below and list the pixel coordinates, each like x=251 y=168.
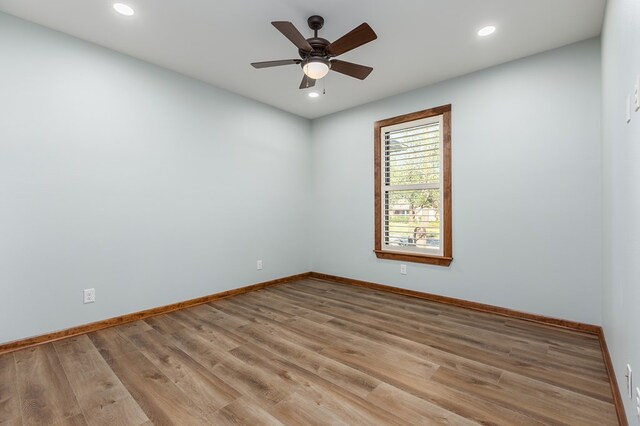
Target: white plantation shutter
x=412 y=186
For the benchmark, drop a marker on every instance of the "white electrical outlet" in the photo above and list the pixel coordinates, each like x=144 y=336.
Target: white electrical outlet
x=259 y=265
x=629 y=377
x=403 y=269
x=89 y=295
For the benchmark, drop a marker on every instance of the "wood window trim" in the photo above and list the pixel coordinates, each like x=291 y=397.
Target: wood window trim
x=447 y=249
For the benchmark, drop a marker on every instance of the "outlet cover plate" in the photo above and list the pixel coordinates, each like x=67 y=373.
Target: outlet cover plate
x=89 y=295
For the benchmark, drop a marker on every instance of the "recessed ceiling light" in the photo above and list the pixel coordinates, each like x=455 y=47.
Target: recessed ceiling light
x=314 y=94
x=488 y=30
x=123 y=9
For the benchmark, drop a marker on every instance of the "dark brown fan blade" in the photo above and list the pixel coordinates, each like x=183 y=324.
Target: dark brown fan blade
x=267 y=64
x=307 y=82
x=354 y=38
x=291 y=32
x=350 y=69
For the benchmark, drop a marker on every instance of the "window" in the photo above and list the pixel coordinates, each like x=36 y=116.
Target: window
x=413 y=187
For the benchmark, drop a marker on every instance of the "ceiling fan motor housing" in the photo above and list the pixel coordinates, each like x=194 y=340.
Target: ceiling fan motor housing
x=319 y=47
x=318 y=44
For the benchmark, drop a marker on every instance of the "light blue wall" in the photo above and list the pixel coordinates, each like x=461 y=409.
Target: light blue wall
x=155 y=188
x=621 y=153
x=526 y=141
x=147 y=185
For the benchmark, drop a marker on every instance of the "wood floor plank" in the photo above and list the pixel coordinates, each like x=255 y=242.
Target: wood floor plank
x=413 y=313
x=510 y=416
x=263 y=386
x=352 y=409
x=413 y=322
x=561 y=362
x=441 y=358
x=480 y=320
x=243 y=411
x=111 y=344
x=444 y=342
x=589 y=410
x=354 y=381
x=299 y=410
x=460 y=403
x=206 y=390
x=266 y=386
x=100 y=394
x=221 y=319
x=14 y=421
x=161 y=400
x=306 y=339
x=77 y=420
x=313 y=352
x=270 y=300
x=134 y=328
x=414 y=410
x=473 y=407
x=164 y=324
x=10 y=411
x=281 y=340
x=198 y=348
x=208 y=328
x=259 y=309
x=45 y=392
x=535 y=408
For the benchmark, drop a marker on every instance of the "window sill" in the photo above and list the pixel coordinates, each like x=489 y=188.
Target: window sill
x=416 y=258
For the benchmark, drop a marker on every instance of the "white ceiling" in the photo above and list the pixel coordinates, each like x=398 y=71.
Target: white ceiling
x=419 y=41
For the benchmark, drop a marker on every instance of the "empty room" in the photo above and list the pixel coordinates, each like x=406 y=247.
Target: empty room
x=295 y=212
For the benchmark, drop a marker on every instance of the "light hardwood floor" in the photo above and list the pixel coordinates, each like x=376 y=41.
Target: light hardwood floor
x=312 y=352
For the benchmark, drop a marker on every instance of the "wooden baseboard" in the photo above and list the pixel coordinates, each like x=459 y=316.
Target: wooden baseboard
x=555 y=322
x=615 y=390
x=572 y=325
x=110 y=322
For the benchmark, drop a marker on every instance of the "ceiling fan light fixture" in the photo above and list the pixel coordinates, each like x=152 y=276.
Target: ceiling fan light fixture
x=317 y=54
x=315 y=68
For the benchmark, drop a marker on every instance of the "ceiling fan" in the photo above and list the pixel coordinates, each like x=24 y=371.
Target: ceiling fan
x=317 y=53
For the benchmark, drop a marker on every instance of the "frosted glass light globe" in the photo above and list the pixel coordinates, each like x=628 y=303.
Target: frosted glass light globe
x=315 y=69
